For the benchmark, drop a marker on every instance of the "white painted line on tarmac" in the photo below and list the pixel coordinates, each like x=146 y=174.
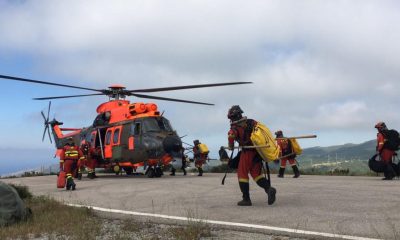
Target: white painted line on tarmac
x=245 y=225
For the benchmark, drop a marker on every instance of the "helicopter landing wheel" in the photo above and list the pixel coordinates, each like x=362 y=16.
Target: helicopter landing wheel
x=158 y=172
x=150 y=172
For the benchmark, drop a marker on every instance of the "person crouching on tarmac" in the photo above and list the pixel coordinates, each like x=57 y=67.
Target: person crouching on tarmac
x=385 y=154
x=250 y=161
x=69 y=157
x=183 y=168
x=286 y=149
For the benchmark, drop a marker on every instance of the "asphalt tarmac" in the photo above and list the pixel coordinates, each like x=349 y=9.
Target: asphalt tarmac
x=353 y=206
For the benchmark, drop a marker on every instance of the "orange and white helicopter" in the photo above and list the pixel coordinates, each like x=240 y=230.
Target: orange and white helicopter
x=123 y=135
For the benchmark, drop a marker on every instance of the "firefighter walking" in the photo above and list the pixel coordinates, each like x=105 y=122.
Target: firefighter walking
x=250 y=161
x=200 y=155
x=69 y=157
x=286 y=149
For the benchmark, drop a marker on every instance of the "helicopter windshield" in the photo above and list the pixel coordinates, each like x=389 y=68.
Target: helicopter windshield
x=156 y=125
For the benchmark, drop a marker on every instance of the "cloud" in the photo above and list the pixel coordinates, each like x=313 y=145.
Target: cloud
x=323 y=67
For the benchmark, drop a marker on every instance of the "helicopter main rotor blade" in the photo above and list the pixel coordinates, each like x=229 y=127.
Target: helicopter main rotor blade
x=170 y=99
x=186 y=87
x=72 y=96
x=47 y=83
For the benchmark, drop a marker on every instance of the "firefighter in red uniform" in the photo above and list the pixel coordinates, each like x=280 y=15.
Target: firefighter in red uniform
x=286 y=149
x=386 y=155
x=199 y=158
x=70 y=155
x=250 y=161
x=92 y=162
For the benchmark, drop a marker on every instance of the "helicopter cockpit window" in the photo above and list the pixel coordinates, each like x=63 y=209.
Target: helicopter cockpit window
x=156 y=125
x=135 y=128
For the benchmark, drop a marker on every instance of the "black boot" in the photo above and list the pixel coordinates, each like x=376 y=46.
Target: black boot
x=281 y=172
x=172 y=172
x=69 y=183
x=296 y=171
x=389 y=172
x=200 y=171
x=73 y=186
x=244 y=187
x=271 y=192
x=184 y=171
x=91 y=175
x=79 y=176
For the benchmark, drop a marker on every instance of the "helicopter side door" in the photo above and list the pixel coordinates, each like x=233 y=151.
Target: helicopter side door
x=137 y=152
x=117 y=146
x=107 y=144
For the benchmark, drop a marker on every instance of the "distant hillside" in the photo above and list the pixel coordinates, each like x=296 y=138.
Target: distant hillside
x=348 y=151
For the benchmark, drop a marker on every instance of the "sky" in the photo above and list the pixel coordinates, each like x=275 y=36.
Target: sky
x=329 y=68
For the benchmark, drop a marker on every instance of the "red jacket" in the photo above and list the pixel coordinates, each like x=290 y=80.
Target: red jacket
x=241 y=134
x=71 y=153
x=380 y=142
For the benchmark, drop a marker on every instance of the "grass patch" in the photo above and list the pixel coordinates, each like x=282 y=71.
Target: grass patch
x=193 y=230
x=53 y=220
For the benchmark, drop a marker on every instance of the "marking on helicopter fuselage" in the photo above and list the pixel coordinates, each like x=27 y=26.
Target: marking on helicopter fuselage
x=223 y=223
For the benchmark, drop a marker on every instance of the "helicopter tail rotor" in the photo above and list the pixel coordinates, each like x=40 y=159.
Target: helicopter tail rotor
x=46 y=124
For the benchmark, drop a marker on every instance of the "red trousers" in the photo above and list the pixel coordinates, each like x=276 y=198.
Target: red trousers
x=91 y=164
x=247 y=165
x=200 y=161
x=69 y=167
x=292 y=162
x=386 y=155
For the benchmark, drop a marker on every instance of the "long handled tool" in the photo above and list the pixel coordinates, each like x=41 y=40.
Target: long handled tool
x=262 y=146
x=227 y=167
x=298 y=137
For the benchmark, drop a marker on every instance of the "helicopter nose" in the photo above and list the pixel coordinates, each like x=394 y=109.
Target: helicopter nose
x=172 y=144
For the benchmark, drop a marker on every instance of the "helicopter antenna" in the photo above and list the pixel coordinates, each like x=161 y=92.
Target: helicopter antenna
x=46 y=123
x=187 y=144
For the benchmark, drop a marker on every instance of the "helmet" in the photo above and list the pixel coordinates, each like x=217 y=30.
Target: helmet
x=380 y=125
x=279 y=133
x=235 y=113
x=196 y=142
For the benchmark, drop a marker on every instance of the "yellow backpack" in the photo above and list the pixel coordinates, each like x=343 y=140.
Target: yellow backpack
x=295 y=146
x=261 y=136
x=203 y=149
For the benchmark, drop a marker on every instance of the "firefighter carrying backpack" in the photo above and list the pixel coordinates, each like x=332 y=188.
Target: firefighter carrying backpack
x=392 y=140
x=261 y=136
x=203 y=149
